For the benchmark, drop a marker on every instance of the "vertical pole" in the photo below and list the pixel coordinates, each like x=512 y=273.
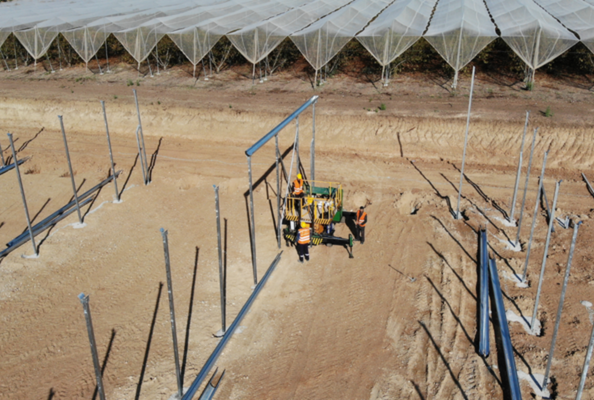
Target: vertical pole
x=513 y=205
x=220 y=248
x=115 y=183
x=586 y=367
x=140 y=155
x=526 y=187
x=544 y=257
x=297 y=145
x=278 y=192
x=560 y=309
x=146 y=182
x=70 y=169
x=458 y=216
x=535 y=215
x=85 y=303
x=18 y=171
x=252 y=220
x=313 y=143
x=172 y=312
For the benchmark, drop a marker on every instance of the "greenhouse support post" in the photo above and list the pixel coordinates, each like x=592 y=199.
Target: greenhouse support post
x=140 y=155
x=535 y=215
x=71 y=171
x=221 y=272
x=458 y=216
x=278 y=209
x=544 y=257
x=115 y=183
x=526 y=187
x=253 y=223
x=172 y=313
x=585 y=367
x=313 y=143
x=146 y=182
x=85 y=303
x=513 y=205
x=545 y=381
x=18 y=172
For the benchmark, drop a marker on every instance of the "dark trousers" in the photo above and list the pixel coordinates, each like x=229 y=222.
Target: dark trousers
x=303 y=251
x=361 y=233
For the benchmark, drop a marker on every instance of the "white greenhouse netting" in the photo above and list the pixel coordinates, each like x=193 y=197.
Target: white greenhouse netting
x=574 y=14
x=535 y=36
x=201 y=38
x=459 y=30
x=256 y=41
x=322 y=40
x=396 y=29
x=536 y=30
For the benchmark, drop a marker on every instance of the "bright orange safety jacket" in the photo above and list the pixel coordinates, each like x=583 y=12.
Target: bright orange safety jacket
x=303 y=236
x=297 y=187
x=361 y=218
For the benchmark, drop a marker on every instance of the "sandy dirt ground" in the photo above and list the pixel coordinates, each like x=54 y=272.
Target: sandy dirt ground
x=398 y=321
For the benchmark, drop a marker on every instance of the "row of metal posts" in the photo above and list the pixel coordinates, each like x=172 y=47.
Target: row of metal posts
x=141 y=152
x=551 y=218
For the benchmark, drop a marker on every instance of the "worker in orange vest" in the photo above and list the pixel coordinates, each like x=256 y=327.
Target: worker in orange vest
x=361 y=222
x=298 y=186
x=303 y=239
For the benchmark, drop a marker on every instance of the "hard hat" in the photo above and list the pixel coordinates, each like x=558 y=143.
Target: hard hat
x=303 y=225
x=299 y=176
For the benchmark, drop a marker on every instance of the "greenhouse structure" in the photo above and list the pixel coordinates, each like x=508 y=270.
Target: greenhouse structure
x=536 y=30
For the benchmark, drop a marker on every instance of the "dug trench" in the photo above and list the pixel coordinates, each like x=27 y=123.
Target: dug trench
x=396 y=321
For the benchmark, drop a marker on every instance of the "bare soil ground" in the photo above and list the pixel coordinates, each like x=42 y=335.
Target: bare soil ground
x=397 y=321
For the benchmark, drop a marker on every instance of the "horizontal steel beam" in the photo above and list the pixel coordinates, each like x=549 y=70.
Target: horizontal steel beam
x=217 y=351
x=256 y=146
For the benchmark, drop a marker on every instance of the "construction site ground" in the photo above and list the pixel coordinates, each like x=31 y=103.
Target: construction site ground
x=397 y=321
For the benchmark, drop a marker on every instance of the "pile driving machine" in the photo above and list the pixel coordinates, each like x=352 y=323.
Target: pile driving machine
x=320 y=206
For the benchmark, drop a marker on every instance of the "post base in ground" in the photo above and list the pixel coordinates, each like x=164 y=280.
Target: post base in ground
x=220 y=333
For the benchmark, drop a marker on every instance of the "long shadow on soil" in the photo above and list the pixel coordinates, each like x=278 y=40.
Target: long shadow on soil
x=446 y=198
x=105 y=359
x=445 y=362
x=129 y=175
x=189 y=320
x=26 y=143
x=454 y=239
x=153 y=161
x=148 y=343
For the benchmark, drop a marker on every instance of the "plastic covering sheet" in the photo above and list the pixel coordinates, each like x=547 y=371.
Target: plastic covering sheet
x=576 y=15
x=256 y=41
x=459 y=30
x=396 y=29
x=3 y=36
x=532 y=33
x=323 y=39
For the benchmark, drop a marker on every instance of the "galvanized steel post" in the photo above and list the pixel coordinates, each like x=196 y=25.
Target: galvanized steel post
x=278 y=209
x=221 y=275
x=513 y=205
x=526 y=188
x=18 y=171
x=70 y=169
x=560 y=309
x=540 y=183
x=586 y=367
x=146 y=182
x=85 y=303
x=544 y=257
x=297 y=145
x=172 y=312
x=458 y=216
x=312 y=168
x=252 y=222
x=115 y=183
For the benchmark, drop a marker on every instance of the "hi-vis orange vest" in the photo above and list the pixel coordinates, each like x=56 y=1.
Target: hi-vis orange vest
x=298 y=186
x=361 y=218
x=303 y=236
